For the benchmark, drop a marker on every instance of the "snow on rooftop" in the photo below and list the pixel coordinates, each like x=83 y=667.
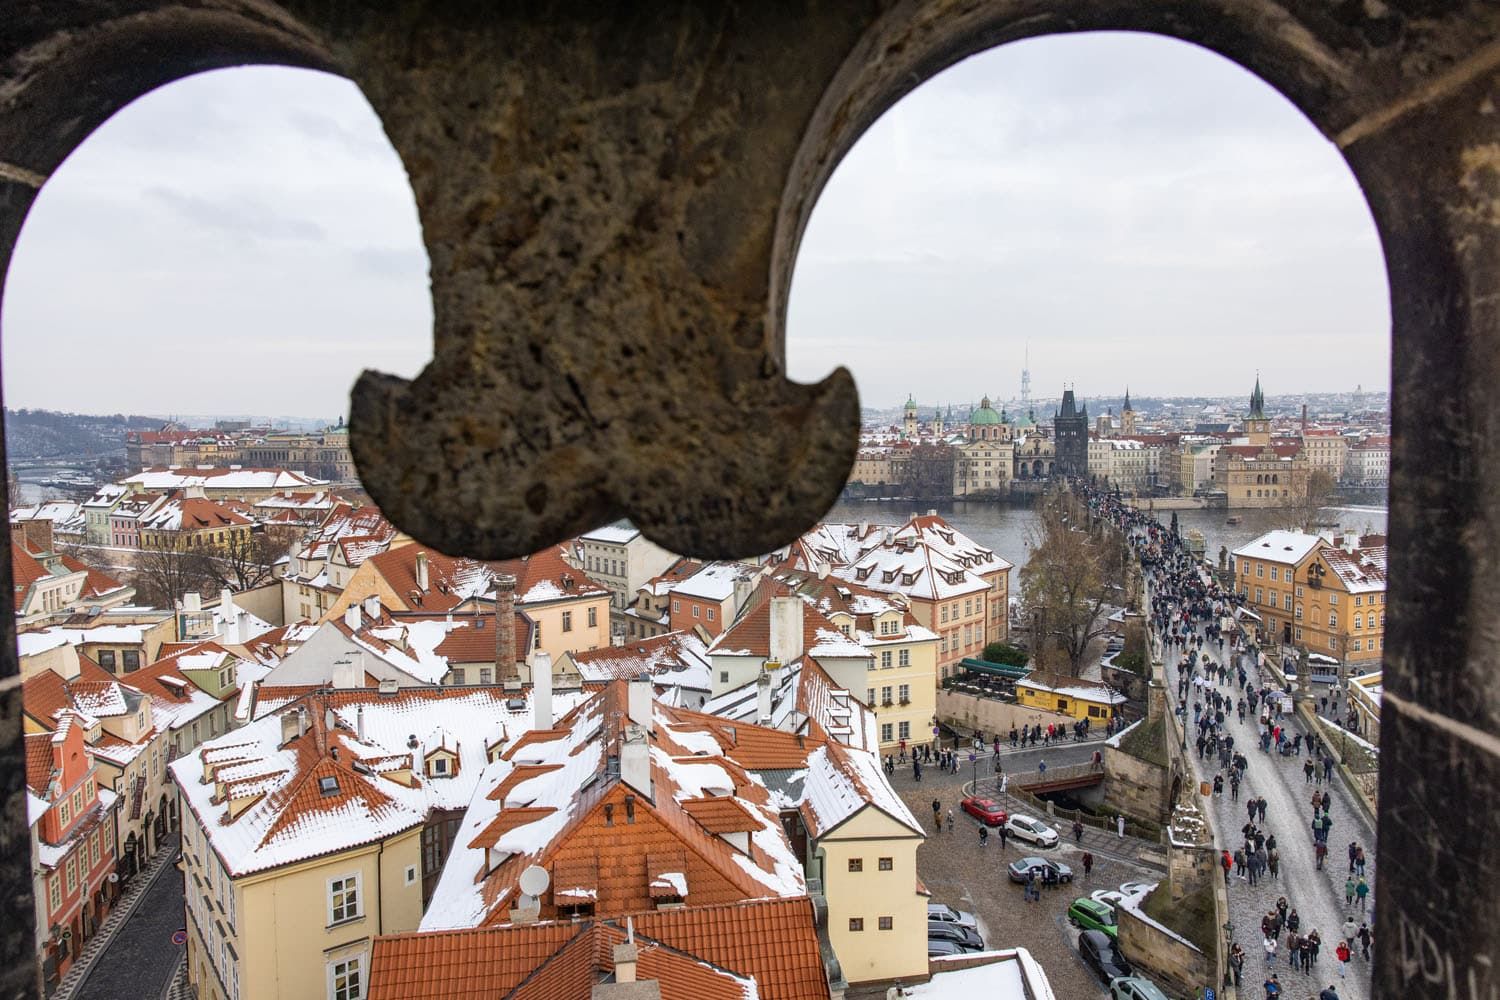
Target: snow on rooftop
x=618 y=533
x=1279 y=546
x=714 y=582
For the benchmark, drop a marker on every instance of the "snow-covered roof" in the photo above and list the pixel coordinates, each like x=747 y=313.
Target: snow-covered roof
x=1008 y=975
x=842 y=781
x=220 y=478
x=676 y=659
x=31 y=643
x=291 y=818
x=1280 y=546
x=714 y=582
x=618 y=533
x=1084 y=692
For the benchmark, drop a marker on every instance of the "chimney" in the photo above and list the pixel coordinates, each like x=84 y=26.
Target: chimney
x=823 y=569
x=372 y=607
x=786 y=629
x=359 y=723
x=349 y=672
x=763 y=699
x=639 y=700
x=625 y=956
x=422 y=572
x=192 y=603
x=541 y=691
x=232 y=627
x=351 y=617
x=301 y=721
x=290 y=726
x=226 y=602
x=37 y=533
x=1304 y=420
x=635 y=764
x=505 y=627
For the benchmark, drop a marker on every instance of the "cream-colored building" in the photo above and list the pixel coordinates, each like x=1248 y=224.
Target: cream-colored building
x=307 y=833
x=982 y=466
x=1327 y=451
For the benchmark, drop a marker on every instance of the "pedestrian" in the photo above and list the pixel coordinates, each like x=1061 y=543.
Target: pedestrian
x=1307 y=770
x=1364 y=941
x=1078 y=831
x=1120 y=826
x=1320 y=852
x=1343 y=953
x=1329 y=994
x=1269 y=945
x=1236 y=963
x=984 y=835
x=1293 y=946
x=1350 y=929
x=1361 y=890
x=1293 y=921
x=1359 y=861
x=950 y=820
x=1349 y=891
x=1353 y=850
x=1088 y=863
x=1227 y=863
x=1272 y=987
x=1004 y=834
x=1314 y=944
x=1041 y=767
x=937 y=808
x=1273 y=862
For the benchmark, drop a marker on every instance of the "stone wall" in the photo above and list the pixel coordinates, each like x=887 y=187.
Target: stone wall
x=1136 y=787
x=1130 y=683
x=967 y=712
x=1167 y=958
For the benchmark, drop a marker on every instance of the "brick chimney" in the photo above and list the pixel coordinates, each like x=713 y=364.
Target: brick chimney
x=37 y=534
x=505 y=628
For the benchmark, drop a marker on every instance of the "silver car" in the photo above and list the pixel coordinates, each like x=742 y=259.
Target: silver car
x=1031 y=829
x=947 y=914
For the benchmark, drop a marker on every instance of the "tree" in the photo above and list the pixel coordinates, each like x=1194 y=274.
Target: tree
x=1075 y=572
x=1302 y=513
x=1005 y=653
x=928 y=472
x=244 y=560
x=168 y=568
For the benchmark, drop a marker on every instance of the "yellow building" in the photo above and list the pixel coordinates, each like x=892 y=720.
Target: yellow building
x=1094 y=702
x=307 y=833
x=1312 y=593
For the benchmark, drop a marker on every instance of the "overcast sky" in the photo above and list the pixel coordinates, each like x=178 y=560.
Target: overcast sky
x=1135 y=209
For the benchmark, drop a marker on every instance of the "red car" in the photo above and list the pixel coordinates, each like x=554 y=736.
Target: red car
x=984 y=810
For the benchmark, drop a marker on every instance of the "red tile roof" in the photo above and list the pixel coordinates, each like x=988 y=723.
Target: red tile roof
x=38 y=762
x=24 y=570
x=693 y=952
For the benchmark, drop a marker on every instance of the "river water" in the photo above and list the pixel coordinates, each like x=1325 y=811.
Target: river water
x=1008 y=529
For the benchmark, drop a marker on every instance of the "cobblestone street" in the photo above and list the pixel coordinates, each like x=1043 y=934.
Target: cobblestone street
x=1317 y=896
x=959 y=872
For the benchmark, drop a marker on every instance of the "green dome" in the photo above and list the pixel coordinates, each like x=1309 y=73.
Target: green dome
x=985 y=414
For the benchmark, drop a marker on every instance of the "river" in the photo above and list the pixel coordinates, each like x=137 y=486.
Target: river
x=1007 y=529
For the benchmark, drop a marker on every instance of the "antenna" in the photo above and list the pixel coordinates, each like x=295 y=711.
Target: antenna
x=534 y=880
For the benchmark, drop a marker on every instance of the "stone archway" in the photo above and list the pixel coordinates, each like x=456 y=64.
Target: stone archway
x=612 y=202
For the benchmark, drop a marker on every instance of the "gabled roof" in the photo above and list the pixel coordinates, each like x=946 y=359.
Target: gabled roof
x=840 y=783
x=192 y=514
x=673 y=659
x=1280 y=546
x=1361 y=571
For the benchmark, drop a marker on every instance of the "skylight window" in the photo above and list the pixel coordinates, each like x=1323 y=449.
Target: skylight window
x=328 y=785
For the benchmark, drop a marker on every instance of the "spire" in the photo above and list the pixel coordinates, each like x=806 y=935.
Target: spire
x=1257 y=401
x=1127 y=400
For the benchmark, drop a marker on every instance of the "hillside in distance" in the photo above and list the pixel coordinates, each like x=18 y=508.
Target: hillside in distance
x=40 y=434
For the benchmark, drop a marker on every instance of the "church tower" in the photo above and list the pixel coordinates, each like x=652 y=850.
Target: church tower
x=1257 y=426
x=1127 y=417
x=909 y=419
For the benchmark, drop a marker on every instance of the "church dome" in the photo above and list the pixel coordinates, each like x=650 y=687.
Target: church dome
x=985 y=414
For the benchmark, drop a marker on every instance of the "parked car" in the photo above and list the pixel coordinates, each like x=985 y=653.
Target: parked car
x=938 y=948
x=1021 y=866
x=942 y=911
x=1136 y=888
x=1093 y=915
x=1031 y=829
x=943 y=930
x=1135 y=988
x=1102 y=954
x=987 y=811
x=1109 y=897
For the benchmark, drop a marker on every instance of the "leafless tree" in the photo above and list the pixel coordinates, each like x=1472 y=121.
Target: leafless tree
x=1074 y=574
x=1303 y=513
x=167 y=568
x=244 y=560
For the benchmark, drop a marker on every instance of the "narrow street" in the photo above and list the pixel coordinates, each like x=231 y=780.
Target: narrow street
x=1318 y=896
x=140 y=958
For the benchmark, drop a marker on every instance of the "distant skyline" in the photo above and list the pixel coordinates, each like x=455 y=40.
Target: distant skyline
x=1137 y=210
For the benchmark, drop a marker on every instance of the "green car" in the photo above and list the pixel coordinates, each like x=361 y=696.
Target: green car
x=1090 y=914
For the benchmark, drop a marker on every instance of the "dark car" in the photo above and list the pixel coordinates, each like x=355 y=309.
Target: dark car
x=1101 y=954
x=938 y=947
x=946 y=930
x=1021 y=866
x=987 y=811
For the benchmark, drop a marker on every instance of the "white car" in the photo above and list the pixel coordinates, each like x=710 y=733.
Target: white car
x=1031 y=829
x=1109 y=897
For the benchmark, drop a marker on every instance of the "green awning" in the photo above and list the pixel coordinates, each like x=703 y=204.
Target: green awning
x=978 y=666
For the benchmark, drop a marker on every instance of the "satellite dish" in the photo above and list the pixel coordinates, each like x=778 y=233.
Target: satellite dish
x=534 y=880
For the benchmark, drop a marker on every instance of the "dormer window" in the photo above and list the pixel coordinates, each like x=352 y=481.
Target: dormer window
x=328 y=785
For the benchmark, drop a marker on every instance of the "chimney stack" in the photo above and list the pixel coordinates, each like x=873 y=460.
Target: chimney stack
x=372 y=608
x=786 y=629
x=422 y=572
x=351 y=617
x=359 y=723
x=635 y=765
x=639 y=701
x=505 y=628
x=541 y=691
x=625 y=958
x=226 y=602
x=763 y=699
x=349 y=672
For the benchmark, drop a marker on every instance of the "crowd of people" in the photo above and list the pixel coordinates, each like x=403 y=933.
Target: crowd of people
x=1217 y=670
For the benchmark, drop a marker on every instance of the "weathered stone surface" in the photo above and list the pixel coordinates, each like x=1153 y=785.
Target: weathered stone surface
x=612 y=200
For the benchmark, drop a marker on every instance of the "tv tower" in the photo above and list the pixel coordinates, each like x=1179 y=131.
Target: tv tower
x=1026 y=380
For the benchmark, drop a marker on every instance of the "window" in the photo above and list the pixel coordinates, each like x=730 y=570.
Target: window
x=346 y=979
x=723 y=677
x=903 y=658
x=885 y=659
x=1260 y=596
x=676 y=607
x=64 y=813
x=885 y=732
x=904 y=693
x=1357 y=645
x=94 y=849
x=856 y=923
x=695 y=611
x=78 y=800
x=1298 y=635
x=457 y=675
x=1333 y=598
x=1299 y=591
x=968 y=608
x=439 y=767
x=943 y=613
x=343 y=899
x=856 y=864
x=54 y=893
x=1358 y=622
x=887 y=864
x=1274 y=572
x=885 y=923
x=594 y=617
x=567 y=621
x=328 y=785
x=1359 y=600
x=904 y=730
x=945 y=642
x=486 y=674
x=710 y=613
x=132 y=660
x=1299 y=612
x=411 y=874
x=72 y=874
x=1286 y=601
x=1260 y=569
x=968 y=635
x=107 y=659
x=1333 y=619
x=870 y=700
x=885 y=695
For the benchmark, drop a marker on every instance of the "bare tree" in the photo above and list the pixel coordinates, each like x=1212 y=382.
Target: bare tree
x=928 y=473
x=244 y=560
x=1074 y=574
x=167 y=568
x=1302 y=513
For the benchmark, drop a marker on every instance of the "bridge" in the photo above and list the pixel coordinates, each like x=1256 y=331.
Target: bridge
x=1061 y=779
